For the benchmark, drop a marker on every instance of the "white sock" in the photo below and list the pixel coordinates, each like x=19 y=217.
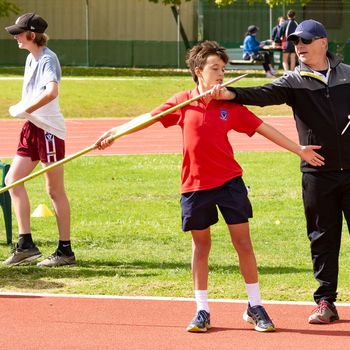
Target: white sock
x=202 y=300
x=253 y=291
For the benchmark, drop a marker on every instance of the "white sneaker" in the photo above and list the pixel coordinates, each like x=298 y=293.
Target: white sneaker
x=269 y=75
x=272 y=71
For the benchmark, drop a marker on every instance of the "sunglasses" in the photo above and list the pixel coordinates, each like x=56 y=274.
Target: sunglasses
x=306 y=41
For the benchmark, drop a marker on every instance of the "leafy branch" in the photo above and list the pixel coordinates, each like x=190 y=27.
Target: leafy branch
x=220 y=3
x=7 y=7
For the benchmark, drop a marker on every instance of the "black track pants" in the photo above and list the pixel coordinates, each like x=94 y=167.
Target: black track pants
x=326 y=197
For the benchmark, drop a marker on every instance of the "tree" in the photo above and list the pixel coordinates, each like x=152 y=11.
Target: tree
x=219 y=3
x=271 y=3
x=6 y=8
x=169 y=2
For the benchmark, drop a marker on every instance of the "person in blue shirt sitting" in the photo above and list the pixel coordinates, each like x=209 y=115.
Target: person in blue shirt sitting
x=251 y=50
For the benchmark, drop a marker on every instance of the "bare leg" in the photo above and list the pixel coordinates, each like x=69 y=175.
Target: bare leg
x=240 y=238
x=255 y=313
x=292 y=61
x=55 y=189
x=201 y=244
x=20 y=167
x=285 y=61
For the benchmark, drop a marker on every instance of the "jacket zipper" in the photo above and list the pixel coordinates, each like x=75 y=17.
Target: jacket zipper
x=337 y=129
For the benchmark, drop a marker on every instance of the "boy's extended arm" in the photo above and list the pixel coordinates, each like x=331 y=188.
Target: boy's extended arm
x=306 y=153
x=141 y=122
x=145 y=120
x=107 y=139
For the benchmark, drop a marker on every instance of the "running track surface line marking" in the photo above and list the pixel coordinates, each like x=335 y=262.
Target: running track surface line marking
x=96 y=296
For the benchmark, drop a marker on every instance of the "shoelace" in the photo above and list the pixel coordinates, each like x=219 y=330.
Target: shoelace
x=321 y=307
x=261 y=314
x=16 y=249
x=52 y=256
x=202 y=317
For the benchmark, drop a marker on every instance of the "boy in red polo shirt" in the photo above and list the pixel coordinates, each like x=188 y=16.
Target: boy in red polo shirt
x=211 y=178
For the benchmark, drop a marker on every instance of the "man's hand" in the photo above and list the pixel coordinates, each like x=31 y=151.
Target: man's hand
x=221 y=93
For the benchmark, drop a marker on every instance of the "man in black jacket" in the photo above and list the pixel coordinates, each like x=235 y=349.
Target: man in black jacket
x=319 y=93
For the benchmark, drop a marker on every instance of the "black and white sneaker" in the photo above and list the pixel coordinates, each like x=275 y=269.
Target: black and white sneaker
x=257 y=316
x=200 y=322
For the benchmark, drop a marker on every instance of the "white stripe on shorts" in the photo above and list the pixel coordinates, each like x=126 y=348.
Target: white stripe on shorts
x=50 y=147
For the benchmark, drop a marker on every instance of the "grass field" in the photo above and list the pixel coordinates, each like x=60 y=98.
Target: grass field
x=114 y=97
x=126 y=226
x=126 y=232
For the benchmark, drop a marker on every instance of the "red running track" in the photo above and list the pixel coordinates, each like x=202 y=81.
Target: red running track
x=155 y=139
x=73 y=323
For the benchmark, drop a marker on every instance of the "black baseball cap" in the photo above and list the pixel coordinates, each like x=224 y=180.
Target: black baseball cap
x=28 y=22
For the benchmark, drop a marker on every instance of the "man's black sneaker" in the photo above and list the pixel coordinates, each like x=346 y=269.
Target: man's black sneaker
x=325 y=312
x=22 y=256
x=200 y=322
x=258 y=316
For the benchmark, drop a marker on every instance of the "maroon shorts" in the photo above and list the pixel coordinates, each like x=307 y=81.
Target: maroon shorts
x=39 y=144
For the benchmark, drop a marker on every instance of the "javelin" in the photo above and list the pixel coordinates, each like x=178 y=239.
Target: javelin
x=347 y=125
x=126 y=130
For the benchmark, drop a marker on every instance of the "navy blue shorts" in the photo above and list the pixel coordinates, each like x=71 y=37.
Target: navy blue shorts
x=199 y=209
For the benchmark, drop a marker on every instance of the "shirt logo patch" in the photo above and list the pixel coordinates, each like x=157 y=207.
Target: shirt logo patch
x=223 y=114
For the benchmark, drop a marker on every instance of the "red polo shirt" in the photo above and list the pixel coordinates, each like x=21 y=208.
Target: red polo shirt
x=208 y=159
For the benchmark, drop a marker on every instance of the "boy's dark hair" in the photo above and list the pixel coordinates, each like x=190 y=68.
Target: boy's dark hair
x=197 y=56
x=291 y=14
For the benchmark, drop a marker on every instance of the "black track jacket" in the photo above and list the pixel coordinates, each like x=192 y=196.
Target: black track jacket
x=320 y=110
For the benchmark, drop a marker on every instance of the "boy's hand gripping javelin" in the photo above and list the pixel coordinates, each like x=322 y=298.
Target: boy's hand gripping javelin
x=123 y=130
